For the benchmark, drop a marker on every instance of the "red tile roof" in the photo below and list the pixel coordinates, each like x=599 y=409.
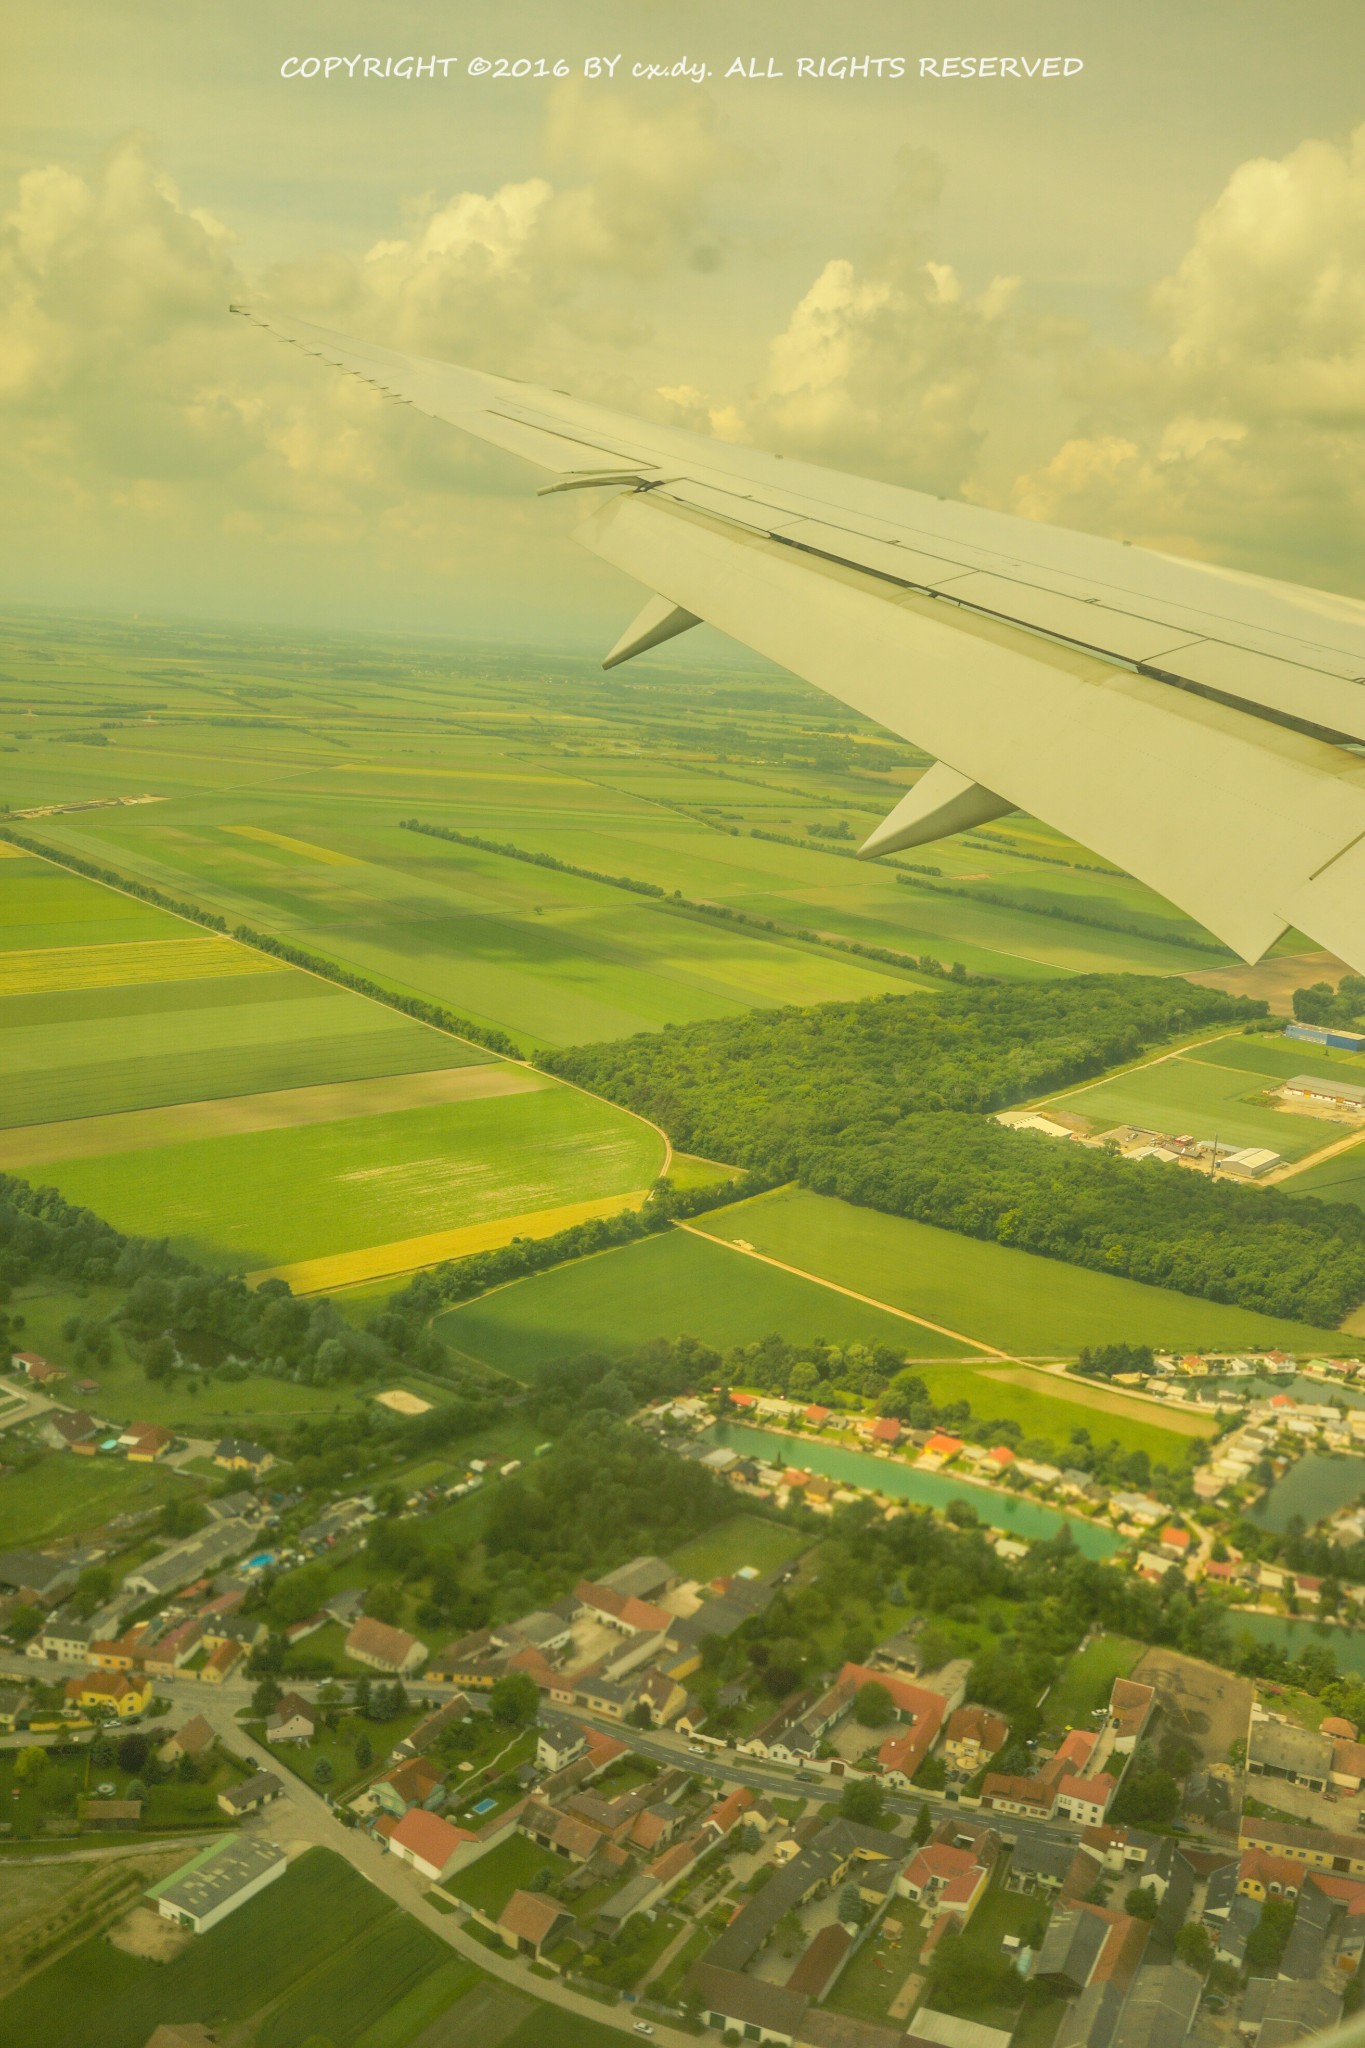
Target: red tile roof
x=428 y=1836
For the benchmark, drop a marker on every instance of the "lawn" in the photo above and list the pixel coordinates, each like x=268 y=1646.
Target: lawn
x=172 y=1805
x=265 y=1198
x=508 y=1867
x=745 y=1540
x=669 y=1286
x=1087 y=1680
x=104 y=1998
x=1012 y=1299
x=62 y=1494
x=1201 y=1093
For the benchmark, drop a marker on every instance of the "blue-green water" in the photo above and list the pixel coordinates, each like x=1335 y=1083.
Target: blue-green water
x=931 y=1489
x=1330 y=1391
x=1347 y=1645
x=1317 y=1485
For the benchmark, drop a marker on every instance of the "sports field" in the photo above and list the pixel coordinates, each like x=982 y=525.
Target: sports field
x=1217 y=1090
x=997 y=1296
x=260 y=1199
x=670 y=1286
x=745 y=1541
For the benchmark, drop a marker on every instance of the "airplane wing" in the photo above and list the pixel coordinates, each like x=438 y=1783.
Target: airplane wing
x=1201 y=728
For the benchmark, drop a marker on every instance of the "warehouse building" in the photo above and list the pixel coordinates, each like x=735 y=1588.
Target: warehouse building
x=217 y=1881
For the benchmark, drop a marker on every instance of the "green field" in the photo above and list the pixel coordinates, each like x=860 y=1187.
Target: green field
x=264 y=1198
x=104 y=1998
x=1087 y=1679
x=342 y=1998
x=282 y=771
x=747 y=1540
x=1214 y=1091
x=63 y=1493
x=1040 y=1412
x=1337 y=1180
x=671 y=1286
x=1014 y=1300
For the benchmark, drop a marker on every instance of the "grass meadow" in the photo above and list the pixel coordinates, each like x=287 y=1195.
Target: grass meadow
x=744 y=1540
x=670 y=1286
x=263 y=1198
x=1013 y=1300
x=62 y=1493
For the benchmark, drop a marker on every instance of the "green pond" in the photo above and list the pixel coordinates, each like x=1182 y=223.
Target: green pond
x=1316 y=1485
x=891 y=1476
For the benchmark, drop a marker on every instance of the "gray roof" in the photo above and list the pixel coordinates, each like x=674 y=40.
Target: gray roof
x=265 y=1785
x=640 y=1578
x=1071 y=1947
x=42 y=1572
x=1161 y=2007
x=1307 y=1941
x=1038 y=1855
x=1293 y=2011
x=217 y=1874
x=192 y=1558
x=1281 y=1746
x=748 y=2001
x=1242 y=1921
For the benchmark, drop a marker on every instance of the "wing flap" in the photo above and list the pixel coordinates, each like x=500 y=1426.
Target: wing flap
x=1213 y=809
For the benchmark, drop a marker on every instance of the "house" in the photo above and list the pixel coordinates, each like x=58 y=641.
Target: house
x=559 y=1741
x=186 y=2034
x=1043 y=1863
x=885 y=1430
x=222 y=1659
x=403 y=1785
x=971 y=1738
x=120 y=1693
x=234 y=1455
x=429 y=1731
x=251 y=1795
x=217 y=1881
x=664 y=1696
x=193 y=1740
x=1130 y=1709
x=144 y=1442
x=919 y=1712
x=429 y=1843
x=942 y=1878
x=627 y=1612
x=40 y=1370
x=385 y=1649
x=531 y=1922
x=63 y=1639
x=293 y=1720
x=13 y=1705
x=74 y=1430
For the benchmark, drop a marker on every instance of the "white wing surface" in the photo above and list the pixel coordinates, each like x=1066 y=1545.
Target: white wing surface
x=1200 y=728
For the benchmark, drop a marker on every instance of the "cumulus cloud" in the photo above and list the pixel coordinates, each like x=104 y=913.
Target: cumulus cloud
x=1242 y=434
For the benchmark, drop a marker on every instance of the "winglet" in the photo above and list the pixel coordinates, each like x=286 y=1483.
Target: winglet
x=660 y=620
x=942 y=802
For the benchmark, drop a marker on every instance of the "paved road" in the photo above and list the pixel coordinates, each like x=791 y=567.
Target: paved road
x=307 y=1816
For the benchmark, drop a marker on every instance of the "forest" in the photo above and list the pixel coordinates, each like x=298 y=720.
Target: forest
x=886 y=1103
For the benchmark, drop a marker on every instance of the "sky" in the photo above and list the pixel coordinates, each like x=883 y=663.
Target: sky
x=1130 y=300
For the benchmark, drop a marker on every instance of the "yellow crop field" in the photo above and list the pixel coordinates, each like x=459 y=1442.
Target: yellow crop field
x=325 y=854
x=50 y=969
x=410 y=1254
x=8 y=852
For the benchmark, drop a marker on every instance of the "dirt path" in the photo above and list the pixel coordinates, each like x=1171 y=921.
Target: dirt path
x=279 y=1109
x=1339 y=1145
x=851 y=1294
